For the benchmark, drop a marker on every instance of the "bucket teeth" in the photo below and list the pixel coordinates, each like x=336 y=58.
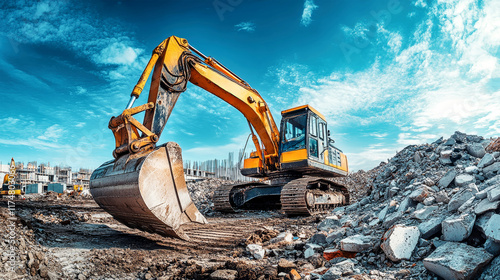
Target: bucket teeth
x=148 y=192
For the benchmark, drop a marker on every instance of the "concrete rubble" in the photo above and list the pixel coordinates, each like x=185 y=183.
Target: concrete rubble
x=457 y=261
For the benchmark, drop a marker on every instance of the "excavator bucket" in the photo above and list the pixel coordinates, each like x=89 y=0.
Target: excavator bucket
x=148 y=192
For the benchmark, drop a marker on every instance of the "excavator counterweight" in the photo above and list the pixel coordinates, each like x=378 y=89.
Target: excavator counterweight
x=144 y=186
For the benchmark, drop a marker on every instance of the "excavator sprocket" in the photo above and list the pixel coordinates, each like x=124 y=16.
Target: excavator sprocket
x=147 y=192
x=309 y=196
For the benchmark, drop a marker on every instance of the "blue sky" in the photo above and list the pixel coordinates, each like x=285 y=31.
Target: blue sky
x=386 y=74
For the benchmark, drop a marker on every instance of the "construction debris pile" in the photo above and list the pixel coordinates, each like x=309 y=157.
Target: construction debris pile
x=19 y=241
x=201 y=193
x=433 y=209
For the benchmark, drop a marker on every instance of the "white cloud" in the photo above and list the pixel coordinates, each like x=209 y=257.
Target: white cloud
x=52 y=133
x=72 y=26
x=118 y=53
x=309 y=7
x=246 y=26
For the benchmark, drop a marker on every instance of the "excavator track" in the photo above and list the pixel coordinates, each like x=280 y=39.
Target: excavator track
x=298 y=196
x=222 y=200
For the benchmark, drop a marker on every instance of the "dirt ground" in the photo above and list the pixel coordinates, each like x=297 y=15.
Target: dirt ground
x=78 y=240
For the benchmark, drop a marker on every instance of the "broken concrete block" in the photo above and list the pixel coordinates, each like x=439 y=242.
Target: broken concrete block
x=484 y=193
x=285 y=237
x=482 y=221
x=494 y=168
x=487 y=160
x=421 y=193
x=328 y=223
x=486 y=205
x=256 y=250
x=471 y=169
x=429 y=200
x=457 y=261
x=463 y=180
x=338 y=270
x=492 y=229
x=430 y=227
x=399 y=242
x=447 y=179
x=445 y=157
x=467 y=205
x=318 y=238
x=458 y=228
x=476 y=150
x=332 y=236
x=492 y=247
x=356 y=243
x=459 y=198
x=442 y=196
x=494 y=193
x=424 y=213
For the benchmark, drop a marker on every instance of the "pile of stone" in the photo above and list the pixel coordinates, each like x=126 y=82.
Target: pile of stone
x=22 y=256
x=433 y=209
x=201 y=193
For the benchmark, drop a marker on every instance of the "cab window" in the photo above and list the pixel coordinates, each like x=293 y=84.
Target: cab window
x=294 y=137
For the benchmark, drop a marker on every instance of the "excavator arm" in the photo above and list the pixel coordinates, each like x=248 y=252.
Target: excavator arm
x=175 y=63
x=144 y=186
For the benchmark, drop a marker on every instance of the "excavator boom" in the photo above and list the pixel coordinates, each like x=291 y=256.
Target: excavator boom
x=144 y=186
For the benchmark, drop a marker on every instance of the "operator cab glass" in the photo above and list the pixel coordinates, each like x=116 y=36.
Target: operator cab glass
x=294 y=136
x=303 y=129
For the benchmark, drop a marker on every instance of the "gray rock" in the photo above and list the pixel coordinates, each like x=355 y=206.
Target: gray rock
x=328 y=223
x=318 y=238
x=425 y=212
x=467 y=205
x=285 y=237
x=383 y=213
x=494 y=168
x=491 y=271
x=399 y=242
x=471 y=169
x=256 y=250
x=430 y=227
x=484 y=193
x=457 y=261
x=486 y=205
x=492 y=247
x=338 y=270
x=356 y=243
x=482 y=221
x=429 y=200
x=421 y=193
x=494 y=193
x=492 y=229
x=224 y=274
x=487 y=160
x=442 y=196
x=458 y=228
x=332 y=236
x=459 y=198
x=450 y=142
x=445 y=157
x=447 y=179
x=463 y=180
x=476 y=150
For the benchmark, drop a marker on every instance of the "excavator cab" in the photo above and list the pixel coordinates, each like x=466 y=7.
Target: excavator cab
x=306 y=146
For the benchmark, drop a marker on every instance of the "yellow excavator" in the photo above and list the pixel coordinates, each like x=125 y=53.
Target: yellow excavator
x=144 y=187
